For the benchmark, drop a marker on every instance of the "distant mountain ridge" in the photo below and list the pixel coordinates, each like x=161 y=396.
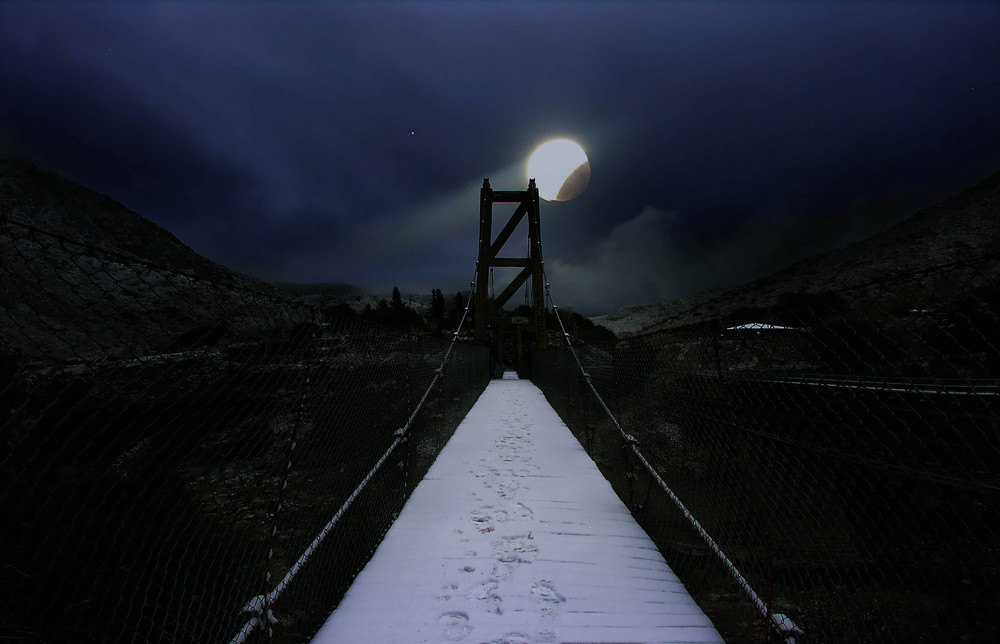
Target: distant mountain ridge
x=963 y=227
x=339 y=289
x=127 y=286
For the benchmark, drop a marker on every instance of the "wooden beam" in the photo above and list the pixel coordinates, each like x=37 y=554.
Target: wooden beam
x=510 y=196
x=508 y=229
x=508 y=292
x=511 y=262
x=480 y=306
x=537 y=283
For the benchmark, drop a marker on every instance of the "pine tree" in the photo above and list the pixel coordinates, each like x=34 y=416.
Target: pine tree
x=437 y=304
x=397 y=299
x=459 y=307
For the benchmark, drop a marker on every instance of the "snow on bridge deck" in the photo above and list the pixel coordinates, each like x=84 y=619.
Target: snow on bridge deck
x=515 y=536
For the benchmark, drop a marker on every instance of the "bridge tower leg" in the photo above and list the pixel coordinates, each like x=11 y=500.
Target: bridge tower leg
x=489 y=248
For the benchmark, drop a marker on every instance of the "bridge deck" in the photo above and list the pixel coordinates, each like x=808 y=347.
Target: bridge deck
x=514 y=536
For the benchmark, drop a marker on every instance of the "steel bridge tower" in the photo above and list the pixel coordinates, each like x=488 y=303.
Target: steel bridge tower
x=486 y=310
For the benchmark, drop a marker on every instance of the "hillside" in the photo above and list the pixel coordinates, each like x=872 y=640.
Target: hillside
x=633 y=319
x=84 y=277
x=963 y=227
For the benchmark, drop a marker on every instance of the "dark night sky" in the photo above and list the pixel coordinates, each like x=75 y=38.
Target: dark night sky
x=347 y=141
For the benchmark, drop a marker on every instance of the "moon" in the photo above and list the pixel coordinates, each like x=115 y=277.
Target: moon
x=560 y=168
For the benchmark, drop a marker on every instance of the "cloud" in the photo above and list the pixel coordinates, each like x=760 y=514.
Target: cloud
x=654 y=257
x=449 y=218
x=636 y=262
x=430 y=245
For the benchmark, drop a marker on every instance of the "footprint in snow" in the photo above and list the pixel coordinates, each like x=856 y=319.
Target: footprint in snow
x=546 y=597
x=482 y=516
x=512 y=638
x=455 y=625
x=486 y=595
x=448 y=589
x=513 y=512
x=515 y=549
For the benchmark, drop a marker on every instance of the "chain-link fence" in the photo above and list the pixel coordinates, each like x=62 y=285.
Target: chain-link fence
x=148 y=417
x=843 y=449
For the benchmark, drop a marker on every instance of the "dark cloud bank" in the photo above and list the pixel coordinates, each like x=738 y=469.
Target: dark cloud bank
x=346 y=142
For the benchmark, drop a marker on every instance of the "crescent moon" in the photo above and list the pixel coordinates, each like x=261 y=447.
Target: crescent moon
x=560 y=168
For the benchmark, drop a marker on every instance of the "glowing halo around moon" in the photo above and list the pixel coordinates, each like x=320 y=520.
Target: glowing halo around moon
x=560 y=168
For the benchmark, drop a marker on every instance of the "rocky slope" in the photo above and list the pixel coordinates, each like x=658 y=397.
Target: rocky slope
x=84 y=277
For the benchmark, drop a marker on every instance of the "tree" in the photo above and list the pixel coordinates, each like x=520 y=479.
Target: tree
x=397 y=299
x=459 y=307
x=437 y=304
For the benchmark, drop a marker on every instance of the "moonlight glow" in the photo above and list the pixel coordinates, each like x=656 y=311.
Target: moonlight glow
x=560 y=168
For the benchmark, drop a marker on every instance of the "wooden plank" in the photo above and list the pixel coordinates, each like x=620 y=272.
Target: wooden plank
x=511 y=262
x=509 y=196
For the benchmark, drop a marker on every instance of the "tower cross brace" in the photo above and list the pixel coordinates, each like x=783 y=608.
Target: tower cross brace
x=489 y=248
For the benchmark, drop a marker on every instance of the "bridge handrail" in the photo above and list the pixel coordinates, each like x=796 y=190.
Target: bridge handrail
x=783 y=626
x=259 y=606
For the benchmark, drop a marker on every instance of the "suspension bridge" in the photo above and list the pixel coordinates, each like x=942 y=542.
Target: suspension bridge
x=513 y=535
x=301 y=476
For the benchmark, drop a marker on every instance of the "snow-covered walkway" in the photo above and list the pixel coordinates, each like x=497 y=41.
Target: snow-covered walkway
x=514 y=536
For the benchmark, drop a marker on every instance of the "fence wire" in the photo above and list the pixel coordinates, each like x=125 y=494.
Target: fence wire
x=843 y=449
x=146 y=422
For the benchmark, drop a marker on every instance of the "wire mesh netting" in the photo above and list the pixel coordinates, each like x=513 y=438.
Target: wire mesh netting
x=149 y=417
x=843 y=449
